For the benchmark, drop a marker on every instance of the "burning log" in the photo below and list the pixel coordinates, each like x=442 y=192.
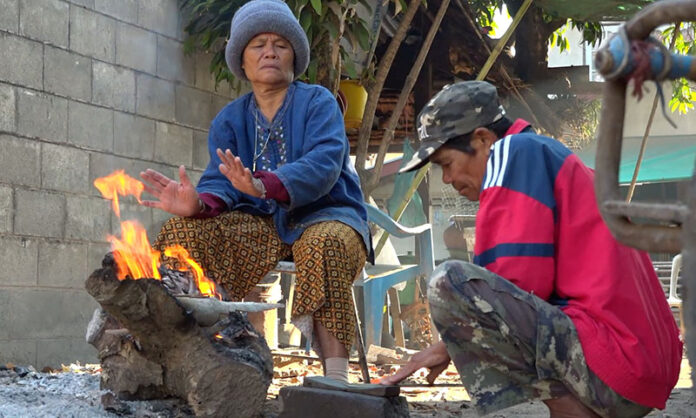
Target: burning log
x=152 y=346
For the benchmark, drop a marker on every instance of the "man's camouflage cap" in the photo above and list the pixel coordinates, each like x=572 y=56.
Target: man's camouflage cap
x=455 y=110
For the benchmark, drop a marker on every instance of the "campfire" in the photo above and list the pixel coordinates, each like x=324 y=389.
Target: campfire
x=165 y=333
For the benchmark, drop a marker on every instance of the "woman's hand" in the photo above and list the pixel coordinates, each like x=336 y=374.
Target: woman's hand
x=435 y=358
x=240 y=176
x=177 y=198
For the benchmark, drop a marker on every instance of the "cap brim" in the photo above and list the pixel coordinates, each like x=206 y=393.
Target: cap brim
x=422 y=156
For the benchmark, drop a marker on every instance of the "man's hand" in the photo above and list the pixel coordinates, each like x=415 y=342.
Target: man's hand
x=240 y=176
x=177 y=198
x=435 y=358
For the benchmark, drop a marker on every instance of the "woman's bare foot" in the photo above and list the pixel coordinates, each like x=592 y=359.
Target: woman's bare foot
x=568 y=406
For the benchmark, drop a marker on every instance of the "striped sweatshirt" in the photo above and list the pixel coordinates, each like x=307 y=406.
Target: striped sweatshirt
x=539 y=227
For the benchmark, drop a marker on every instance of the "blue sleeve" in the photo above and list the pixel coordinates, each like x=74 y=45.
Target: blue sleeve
x=213 y=181
x=325 y=147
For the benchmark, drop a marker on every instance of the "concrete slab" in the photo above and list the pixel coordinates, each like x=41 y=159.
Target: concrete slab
x=303 y=402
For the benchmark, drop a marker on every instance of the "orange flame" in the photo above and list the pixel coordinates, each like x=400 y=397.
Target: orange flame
x=133 y=254
x=118 y=183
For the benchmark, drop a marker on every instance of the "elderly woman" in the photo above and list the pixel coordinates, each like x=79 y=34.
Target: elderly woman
x=279 y=184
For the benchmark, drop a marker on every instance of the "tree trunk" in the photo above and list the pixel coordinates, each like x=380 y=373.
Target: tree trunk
x=151 y=347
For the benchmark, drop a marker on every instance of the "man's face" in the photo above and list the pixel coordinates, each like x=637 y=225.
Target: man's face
x=465 y=171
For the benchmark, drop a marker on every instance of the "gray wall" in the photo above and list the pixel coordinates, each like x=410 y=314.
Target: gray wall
x=86 y=87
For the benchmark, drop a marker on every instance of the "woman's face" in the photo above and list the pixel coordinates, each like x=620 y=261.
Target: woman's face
x=269 y=59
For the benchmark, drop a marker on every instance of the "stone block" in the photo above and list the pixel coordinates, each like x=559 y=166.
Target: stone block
x=104 y=164
x=203 y=78
x=5 y=314
x=88 y=218
x=19 y=260
x=201 y=156
x=54 y=353
x=84 y=3
x=20 y=352
x=92 y=34
x=136 y=48
x=172 y=63
x=45 y=20
x=95 y=255
x=50 y=313
x=67 y=74
x=22 y=61
x=155 y=97
x=134 y=136
x=6 y=209
x=90 y=126
x=161 y=16
x=9 y=18
x=193 y=106
x=113 y=86
x=42 y=115
x=63 y=264
x=218 y=103
x=305 y=402
x=19 y=161
x=39 y=213
x=64 y=168
x=122 y=9
x=173 y=144
x=8 y=108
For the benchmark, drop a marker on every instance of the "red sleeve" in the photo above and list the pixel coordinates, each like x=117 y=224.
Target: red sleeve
x=213 y=206
x=274 y=187
x=515 y=239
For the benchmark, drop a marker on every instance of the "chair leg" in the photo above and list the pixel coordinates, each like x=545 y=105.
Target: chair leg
x=362 y=355
x=395 y=310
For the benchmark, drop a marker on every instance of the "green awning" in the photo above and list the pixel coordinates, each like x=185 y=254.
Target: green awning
x=594 y=10
x=665 y=159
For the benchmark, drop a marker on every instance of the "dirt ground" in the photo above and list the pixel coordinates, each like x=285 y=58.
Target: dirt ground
x=74 y=392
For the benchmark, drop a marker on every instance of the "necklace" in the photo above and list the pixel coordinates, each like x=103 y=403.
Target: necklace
x=277 y=120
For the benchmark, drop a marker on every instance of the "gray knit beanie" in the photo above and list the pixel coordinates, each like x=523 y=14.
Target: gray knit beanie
x=260 y=16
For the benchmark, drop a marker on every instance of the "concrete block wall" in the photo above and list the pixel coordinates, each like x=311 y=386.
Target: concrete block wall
x=86 y=87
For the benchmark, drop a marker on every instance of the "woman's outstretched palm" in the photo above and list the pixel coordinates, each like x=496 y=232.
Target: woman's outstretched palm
x=178 y=198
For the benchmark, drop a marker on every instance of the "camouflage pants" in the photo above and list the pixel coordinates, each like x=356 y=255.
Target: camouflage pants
x=510 y=346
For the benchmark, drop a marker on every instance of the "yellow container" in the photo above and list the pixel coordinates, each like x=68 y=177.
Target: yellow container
x=356 y=97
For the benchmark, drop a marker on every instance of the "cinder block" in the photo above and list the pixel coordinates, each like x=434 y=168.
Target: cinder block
x=136 y=48
x=39 y=213
x=173 y=144
x=305 y=402
x=92 y=34
x=159 y=217
x=201 y=156
x=85 y=3
x=172 y=63
x=104 y=164
x=42 y=115
x=134 y=136
x=8 y=107
x=50 y=313
x=218 y=103
x=193 y=106
x=44 y=20
x=19 y=161
x=22 y=61
x=20 y=352
x=63 y=264
x=95 y=255
x=88 y=218
x=6 y=209
x=91 y=126
x=161 y=16
x=123 y=9
x=9 y=18
x=203 y=78
x=113 y=86
x=54 y=353
x=155 y=97
x=67 y=74
x=19 y=260
x=64 y=168
x=5 y=314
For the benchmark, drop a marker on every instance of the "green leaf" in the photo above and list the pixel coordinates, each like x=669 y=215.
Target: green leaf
x=350 y=68
x=363 y=36
x=316 y=4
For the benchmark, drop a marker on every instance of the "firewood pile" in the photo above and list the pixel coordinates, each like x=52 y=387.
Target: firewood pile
x=153 y=346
